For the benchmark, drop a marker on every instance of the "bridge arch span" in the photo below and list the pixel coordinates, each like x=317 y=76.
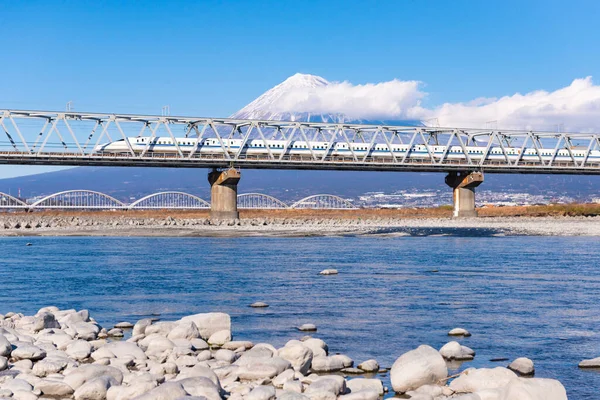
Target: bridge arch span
x=170 y=200
x=324 y=202
x=9 y=202
x=77 y=199
x=259 y=201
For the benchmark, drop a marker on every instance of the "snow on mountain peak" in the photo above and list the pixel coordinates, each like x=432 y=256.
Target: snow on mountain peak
x=299 y=80
x=268 y=106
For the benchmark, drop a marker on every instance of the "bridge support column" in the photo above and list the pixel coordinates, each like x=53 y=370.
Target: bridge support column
x=223 y=193
x=463 y=185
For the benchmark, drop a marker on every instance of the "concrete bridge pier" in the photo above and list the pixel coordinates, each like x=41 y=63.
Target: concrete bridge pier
x=463 y=185
x=223 y=193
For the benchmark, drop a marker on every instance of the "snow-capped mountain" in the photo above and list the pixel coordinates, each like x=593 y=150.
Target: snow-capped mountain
x=268 y=106
x=274 y=104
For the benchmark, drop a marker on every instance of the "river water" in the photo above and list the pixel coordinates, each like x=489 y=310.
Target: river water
x=533 y=297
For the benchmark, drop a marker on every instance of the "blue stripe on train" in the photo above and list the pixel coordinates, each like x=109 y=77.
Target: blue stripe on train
x=361 y=151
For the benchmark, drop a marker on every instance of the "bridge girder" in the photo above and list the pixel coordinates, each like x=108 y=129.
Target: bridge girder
x=69 y=138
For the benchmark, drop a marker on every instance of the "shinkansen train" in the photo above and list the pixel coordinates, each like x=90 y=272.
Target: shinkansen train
x=340 y=149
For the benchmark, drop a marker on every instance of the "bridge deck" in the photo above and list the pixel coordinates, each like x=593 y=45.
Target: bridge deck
x=70 y=138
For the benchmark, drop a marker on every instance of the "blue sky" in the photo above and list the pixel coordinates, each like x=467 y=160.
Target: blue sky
x=210 y=58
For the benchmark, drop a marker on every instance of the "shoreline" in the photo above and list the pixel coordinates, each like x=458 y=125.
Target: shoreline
x=36 y=225
x=68 y=354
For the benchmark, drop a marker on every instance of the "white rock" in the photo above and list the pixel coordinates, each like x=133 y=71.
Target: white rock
x=591 y=363
x=67 y=317
x=261 y=393
x=455 y=351
x=17 y=384
x=259 y=304
x=199 y=344
x=533 y=389
x=86 y=330
x=293 y=386
x=184 y=330
x=200 y=386
x=367 y=394
x=292 y=395
x=328 y=383
x=254 y=355
x=57 y=337
x=156 y=345
x=3 y=363
x=115 y=332
x=318 y=346
x=28 y=352
x=204 y=355
x=5 y=347
x=22 y=365
x=263 y=368
x=523 y=366
x=80 y=375
x=24 y=395
x=236 y=345
x=200 y=371
x=369 y=366
x=54 y=387
x=166 y=391
x=307 y=328
x=45 y=320
x=326 y=364
x=186 y=361
x=298 y=355
x=95 y=389
x=219 y=338
x=125 y=349
x=210 y=323
x=347 y=362
x=459 y=332
x=48 y=366
x=418 y=367
x=286 y=376
x=79 y=350
x=432 y=391
x=359 y=384
x=329 y=271
x=129 y=392
x=160 y=328
x=469 y=396
x=140 y=327
x=225 y=355
x=124 y=325
x=473 y=380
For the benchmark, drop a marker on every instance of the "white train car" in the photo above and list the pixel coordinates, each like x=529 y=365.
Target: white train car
x=257 y=147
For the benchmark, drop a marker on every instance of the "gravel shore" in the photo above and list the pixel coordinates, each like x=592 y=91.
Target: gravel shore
x=66 y=354
x=36 y=225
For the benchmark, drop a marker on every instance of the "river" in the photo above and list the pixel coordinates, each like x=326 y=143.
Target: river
x=520 y=296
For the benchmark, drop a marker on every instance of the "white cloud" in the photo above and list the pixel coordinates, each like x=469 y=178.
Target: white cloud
x=575 y=107
x=394 y=98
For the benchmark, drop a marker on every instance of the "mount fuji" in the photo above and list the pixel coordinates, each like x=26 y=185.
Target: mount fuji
x=279 y=102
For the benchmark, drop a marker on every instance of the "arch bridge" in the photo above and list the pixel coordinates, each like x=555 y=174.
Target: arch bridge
x=169 y=200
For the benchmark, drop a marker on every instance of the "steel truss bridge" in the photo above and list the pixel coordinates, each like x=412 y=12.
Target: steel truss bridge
x=69 y=138
x=91 y=200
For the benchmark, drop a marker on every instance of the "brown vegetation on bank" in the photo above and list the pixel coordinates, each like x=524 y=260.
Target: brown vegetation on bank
x=554 y=210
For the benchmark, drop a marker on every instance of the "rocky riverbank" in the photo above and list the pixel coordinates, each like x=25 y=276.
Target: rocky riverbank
x=123 y=225
x=66 y=354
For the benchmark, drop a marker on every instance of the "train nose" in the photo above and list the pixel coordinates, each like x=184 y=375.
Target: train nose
x=100 y=148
